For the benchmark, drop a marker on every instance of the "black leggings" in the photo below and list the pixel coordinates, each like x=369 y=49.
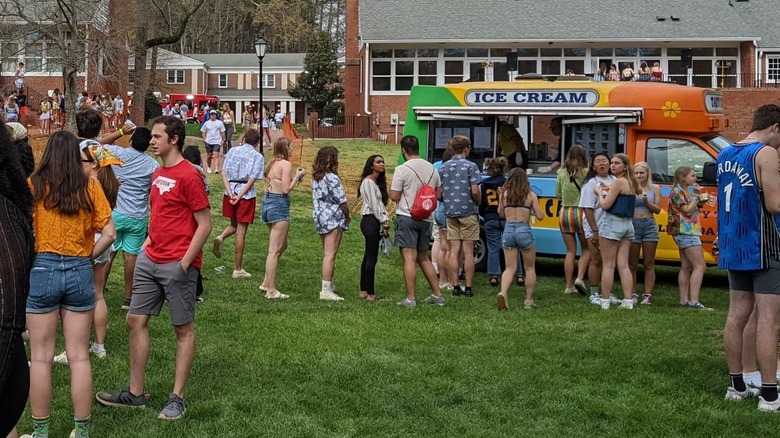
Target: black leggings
x=14 y=385
x=369 y=226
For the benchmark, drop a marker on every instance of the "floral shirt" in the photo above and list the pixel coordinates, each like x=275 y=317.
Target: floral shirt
x=678 y=222
x=328 y=195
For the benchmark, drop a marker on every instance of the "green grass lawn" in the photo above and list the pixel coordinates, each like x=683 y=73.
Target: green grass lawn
x=305 y=368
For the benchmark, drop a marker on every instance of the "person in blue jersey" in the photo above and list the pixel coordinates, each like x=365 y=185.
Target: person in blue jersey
x=749 y=248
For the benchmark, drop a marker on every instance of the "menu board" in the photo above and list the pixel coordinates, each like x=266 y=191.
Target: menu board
x=443 y=135
x=482 y=137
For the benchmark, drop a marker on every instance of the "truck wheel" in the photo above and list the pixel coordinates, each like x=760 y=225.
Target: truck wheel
x=480 y=253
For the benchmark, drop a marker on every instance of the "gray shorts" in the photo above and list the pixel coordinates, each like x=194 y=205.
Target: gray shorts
x=411 y=233
x=617 y=228
x=766 y=281
x=154 y=283
x=645 y=230
x=211 y=148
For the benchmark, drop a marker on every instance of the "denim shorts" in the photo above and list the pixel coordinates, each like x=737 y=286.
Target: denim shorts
x=685 y=241
x=617 y=228
x=645 y=230
x=58 y=281
x=276 y=208
x=440 y=218
x=517 y=235
x=211 y=148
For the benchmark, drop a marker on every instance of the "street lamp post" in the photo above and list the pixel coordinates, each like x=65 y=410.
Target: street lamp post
x=260 y=52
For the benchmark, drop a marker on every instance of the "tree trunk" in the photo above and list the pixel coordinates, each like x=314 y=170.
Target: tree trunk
x=140 y=79
x=69 y=78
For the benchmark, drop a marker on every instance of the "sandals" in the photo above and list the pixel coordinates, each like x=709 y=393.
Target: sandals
x=494 y=281
x=277 y=296
x=375 y=298
x=520 y=280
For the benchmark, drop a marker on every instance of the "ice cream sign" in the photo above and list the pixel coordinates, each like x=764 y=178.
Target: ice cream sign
x=582 y=98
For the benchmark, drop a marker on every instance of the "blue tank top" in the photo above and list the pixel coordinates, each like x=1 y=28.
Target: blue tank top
x=623 y=206
x=744 y=225
x=639 y=204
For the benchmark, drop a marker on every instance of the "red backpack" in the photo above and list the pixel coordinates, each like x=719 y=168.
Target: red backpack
x=425 y=199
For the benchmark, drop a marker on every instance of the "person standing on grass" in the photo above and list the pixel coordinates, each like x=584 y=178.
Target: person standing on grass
x=330 y=213
x=374 y=223
x=167 y=268
x=132 y=202
x=647 y=205
x=593 y=218
x=101 y=169
x=460 y=190
x=17 y=246
x=69 y=208
x=494 y=224
x=516 y=203
x=412 y=236
x=617 y=229
x=228 y=119
x=213 y=132
x=685 y=226
x=749 y=248
x=243 y=166
x=570 y=179
x=441 y=245
x=279 y=182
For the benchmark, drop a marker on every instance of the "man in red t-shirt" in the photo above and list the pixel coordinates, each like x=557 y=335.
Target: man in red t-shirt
x=168 y=266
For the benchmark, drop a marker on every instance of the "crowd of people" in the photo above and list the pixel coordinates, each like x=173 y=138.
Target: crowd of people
x=63 y=233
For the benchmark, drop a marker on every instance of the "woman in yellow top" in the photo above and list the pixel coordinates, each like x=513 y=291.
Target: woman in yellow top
x=567 y=187
x=69 y=208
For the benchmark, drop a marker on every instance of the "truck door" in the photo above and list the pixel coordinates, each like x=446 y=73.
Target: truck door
x=665 y=153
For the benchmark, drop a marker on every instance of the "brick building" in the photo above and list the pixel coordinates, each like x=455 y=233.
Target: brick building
x=234 y=78
x=394 y=44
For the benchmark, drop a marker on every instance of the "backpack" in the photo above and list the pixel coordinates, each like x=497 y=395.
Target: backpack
x=424 y=201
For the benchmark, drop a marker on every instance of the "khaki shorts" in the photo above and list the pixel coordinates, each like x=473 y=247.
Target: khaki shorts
x=463 y=228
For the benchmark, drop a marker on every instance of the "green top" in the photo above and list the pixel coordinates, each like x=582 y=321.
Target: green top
x=567 y=190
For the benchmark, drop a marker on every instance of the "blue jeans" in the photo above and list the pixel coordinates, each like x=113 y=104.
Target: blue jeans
x=493 y=231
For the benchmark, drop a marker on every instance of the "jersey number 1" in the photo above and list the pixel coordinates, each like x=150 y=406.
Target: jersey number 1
x=727 y=191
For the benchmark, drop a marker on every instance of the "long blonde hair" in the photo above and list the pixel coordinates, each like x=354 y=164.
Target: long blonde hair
x=281 y=152
x=633 y=184
x=644 y=165
x=517 y=187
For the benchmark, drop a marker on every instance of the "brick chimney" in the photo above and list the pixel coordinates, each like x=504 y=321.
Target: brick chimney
x=353 y=95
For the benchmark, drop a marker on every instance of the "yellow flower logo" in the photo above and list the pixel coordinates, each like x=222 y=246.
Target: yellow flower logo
x=671 y=109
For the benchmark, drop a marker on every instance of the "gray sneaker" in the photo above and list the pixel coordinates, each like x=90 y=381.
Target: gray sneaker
x=121 y=399
x=433 y=299
x=175 y=408
x=408 y=303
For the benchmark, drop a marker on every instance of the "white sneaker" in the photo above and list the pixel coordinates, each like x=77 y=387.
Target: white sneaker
x=604 y=304
x=330 y=296
x=765 y=406
x=734 y=395
x=241 y=274
x=208 y=170
x=569 y=291
x=752 y=379
x=595 y=299
x=613 y=299
x=445 y=286
x=100 y=353
x=61 y=358
x=627 y=304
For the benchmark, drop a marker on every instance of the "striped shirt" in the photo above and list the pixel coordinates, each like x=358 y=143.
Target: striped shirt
x=372 y=200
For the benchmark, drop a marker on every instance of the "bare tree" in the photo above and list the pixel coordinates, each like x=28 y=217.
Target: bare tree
x=156 y=23
x=75 y=29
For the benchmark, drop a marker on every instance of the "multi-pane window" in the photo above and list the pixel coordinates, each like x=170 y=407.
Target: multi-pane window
x=773 y=69
x=10 y=54
x=223 y=81
x=400 y=69
x=269 y=81
x=175 y=76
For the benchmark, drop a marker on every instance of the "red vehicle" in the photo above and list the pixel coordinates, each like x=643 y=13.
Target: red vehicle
x=195 y=104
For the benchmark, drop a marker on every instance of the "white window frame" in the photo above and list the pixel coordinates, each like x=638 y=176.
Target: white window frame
x=176 y=76
x=266 y=83
x=773 y=59
x=219 y=81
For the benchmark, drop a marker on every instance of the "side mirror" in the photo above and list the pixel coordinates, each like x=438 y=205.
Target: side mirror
x=709 y=173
